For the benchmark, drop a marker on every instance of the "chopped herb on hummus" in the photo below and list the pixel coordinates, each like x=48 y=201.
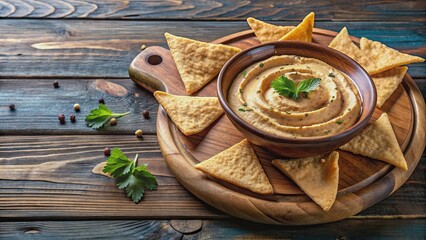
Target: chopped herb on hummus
x=244 y=73
x=244 y=109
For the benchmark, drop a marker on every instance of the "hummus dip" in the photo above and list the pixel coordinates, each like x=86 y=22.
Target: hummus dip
x=331 y=108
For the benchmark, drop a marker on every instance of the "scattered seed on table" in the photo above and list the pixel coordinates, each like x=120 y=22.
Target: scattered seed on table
x=77 y=107
x=12 y=107
x=61 y=118
x=72 y=118
x=101 y=100
x=113 y=122
x=145 y=114
x=107 y=151
x=139 y=133
x=55 y=84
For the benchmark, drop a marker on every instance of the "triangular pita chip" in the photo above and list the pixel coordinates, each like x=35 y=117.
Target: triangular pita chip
x=317 y=176
x=383 y=58
x=198 y=62
x=303 y=31
x=387 y=82
x=374 y=56
x=378 y=141
x=343 y=43
x=266 y=32
x=238 y=165
x=190 y=114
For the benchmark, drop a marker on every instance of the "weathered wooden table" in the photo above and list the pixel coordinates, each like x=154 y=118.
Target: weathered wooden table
x=47 y=188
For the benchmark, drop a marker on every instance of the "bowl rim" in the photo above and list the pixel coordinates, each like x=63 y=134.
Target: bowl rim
x=358 y=126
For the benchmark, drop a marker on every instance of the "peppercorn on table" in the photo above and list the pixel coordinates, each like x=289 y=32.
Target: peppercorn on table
x=66 y=57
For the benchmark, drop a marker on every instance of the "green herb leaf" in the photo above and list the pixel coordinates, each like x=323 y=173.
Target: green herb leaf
x=244 y=73
x=308 y=85
x=245 y=109
x=134 y=180
x=118 y=164
x=340 y=121
x=101 y=115
x=284 y=86
x=287 y=88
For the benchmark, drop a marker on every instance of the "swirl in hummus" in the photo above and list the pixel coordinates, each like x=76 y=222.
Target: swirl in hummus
x=330 y=109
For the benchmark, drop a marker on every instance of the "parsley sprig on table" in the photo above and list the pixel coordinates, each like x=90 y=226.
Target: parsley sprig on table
x=287 y=88
x=128 y=176
x=98 y=117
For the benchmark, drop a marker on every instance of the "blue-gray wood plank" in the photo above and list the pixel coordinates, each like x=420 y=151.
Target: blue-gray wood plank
x=334 y=10
x=104 y=49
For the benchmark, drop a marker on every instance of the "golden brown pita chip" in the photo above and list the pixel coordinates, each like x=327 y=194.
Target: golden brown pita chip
x=343 y=43
x=238 y=165
x=266 y=32
x=387 y=82
x=303 y=31
x=383 y=58
x=374 y=56
x=190 y=114
x=378 y=141
x=198 y=62
x=317 y=176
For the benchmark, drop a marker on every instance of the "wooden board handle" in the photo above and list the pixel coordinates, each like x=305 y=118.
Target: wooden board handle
x=154 y=69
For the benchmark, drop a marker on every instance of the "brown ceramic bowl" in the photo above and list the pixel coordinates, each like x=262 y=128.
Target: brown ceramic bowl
x=303 y=147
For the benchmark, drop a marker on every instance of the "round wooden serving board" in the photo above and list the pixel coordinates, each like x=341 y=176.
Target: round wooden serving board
x=362 y=181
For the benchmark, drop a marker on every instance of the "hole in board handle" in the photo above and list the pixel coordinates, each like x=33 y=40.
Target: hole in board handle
x=154 y=59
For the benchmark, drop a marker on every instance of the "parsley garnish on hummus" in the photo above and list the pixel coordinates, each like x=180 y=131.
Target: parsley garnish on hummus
x=244 y=109
x=244 y=73
x=287 y=88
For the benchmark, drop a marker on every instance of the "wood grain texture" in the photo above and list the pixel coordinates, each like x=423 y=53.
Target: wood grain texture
x=105 y=49
x=79 y=230
x=41 y=116
x=38 y=105
x=51 y=178
x=355 y=192
x=217 y=9
x=346 y=229
x=212 y=229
